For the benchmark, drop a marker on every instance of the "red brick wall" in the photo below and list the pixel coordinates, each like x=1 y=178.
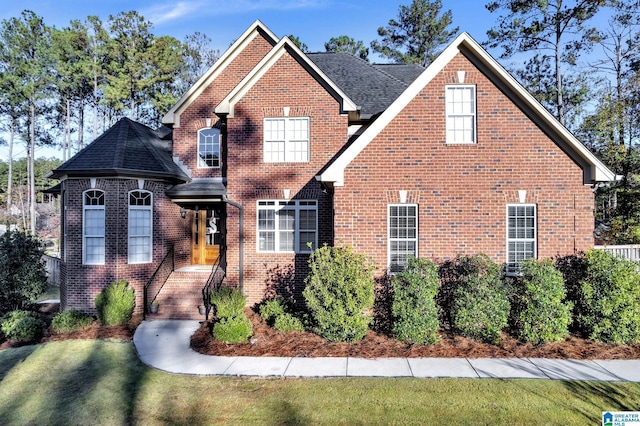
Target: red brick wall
x=286 y=84
x=84 y=282
x=193 y=118
x=462 y=190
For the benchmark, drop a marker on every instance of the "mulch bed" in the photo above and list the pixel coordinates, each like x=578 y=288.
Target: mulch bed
x=267 y=341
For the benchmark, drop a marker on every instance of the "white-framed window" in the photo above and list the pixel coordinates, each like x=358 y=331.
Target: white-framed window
x=521 y=235
x=93 y=227
x=209 y=148
x=140 y=226
x=286 y=139
x=403 y=235
x=287 y=226
x=461 y=113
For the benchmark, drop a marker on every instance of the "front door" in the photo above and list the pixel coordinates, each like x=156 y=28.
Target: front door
x=205 y=237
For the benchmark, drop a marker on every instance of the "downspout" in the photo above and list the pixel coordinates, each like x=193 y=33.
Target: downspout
x=241 y=237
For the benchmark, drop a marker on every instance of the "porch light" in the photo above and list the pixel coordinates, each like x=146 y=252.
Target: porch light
x=183 y=212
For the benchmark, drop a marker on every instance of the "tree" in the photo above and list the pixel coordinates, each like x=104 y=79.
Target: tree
x=558 y=27
x=198 y=58
x=418 y=35
x=298 y=43
x=22 y=273
x=26 y=50
x=166 y=60
x=347 y=44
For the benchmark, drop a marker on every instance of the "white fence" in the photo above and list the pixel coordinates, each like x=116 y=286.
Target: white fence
x=631 y=252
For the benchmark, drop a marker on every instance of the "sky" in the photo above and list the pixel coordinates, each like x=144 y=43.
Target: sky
x=314 y=22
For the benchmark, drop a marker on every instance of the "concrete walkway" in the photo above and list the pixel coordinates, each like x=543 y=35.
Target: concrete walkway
x=164 y=344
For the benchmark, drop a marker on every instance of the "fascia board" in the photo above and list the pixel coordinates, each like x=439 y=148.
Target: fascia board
x=225 y=107
x=335 y=172
x=173 y=116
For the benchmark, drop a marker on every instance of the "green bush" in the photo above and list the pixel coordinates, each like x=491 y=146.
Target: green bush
x=115 y=303
x=339 y=293
x=608 y=299
x=22 y=272
x=233 y=329
x=538 y=310
x=23 y=326
x=287 y=323
x=228 y=302
x=413 y=307
x=480 y=305
x=68 y=321
x=272 y=309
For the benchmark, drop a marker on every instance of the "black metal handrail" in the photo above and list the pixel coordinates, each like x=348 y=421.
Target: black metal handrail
x=214 y=283
x=159 y=278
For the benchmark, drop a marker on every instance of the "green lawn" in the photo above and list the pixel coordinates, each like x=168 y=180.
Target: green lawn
x=102 y=382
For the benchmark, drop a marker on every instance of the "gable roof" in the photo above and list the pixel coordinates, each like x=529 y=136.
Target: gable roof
x=284 y=46
x=257 y=28
x=593 y=169
x=403 y=72
x=126 y=149
x=369 y=86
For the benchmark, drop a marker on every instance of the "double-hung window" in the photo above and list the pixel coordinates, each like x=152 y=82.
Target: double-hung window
x=461 y=113
x=93 y=227
x=286 y=139
x=521 y=235
x=209 y=148
x=403 y=235
x=287 y=226
x=140 y=228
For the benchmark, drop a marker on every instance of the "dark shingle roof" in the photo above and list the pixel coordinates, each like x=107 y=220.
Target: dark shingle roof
x=403 y=72
x=127 y=148
x=370 y=87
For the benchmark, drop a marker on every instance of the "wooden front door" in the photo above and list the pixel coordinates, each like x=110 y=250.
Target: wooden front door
x=205 y=238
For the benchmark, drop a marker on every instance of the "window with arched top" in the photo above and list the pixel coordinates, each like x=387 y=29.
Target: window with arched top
x=93 y=224
x=140 y=226
x=209 y=147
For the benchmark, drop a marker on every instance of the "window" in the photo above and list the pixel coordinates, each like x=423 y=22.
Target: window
x=286 y=139
x=209 y=148
x=521 y=235
x=461 y=114
x=287 y=226
x=93 y=227
x=140 y=220
x=403 y=235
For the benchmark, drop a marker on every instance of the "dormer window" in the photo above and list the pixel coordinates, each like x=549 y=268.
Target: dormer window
x=209 y=148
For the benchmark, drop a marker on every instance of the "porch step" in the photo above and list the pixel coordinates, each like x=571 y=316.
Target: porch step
x=181 y=295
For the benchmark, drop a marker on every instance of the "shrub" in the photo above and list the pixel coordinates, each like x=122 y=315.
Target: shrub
x=287 y=323
x=413 y=307
x=115 y=303
x=24 y=326
x=480 y=305
x=539 y=312
x=232 y=329
x=68 y=321
x=228 y=302
x=608 y=299
x=339 y=293
x=271 y=309
x=22 y=273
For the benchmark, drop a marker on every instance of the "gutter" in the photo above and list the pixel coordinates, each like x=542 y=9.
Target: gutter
x=241 y=238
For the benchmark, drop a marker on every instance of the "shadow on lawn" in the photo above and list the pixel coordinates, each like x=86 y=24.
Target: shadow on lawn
x=615 y=399
x=9 y=359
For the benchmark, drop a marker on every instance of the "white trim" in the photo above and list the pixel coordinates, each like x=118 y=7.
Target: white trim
x=296 y=206
x=86 y=207
x=508 y=240
x=198 y=158
x=416 y=239
x=287 y=151
x=148 y=208
x=226 y=106
x=173 y=116
x=449 y=89
x=335 y=172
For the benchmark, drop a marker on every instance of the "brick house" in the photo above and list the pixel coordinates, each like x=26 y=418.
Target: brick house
x=274 y=152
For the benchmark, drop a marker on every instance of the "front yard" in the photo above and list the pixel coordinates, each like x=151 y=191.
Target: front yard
x=97 y=381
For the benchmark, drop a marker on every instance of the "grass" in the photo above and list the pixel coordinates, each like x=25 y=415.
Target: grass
x=96 y=381
x=50 y=293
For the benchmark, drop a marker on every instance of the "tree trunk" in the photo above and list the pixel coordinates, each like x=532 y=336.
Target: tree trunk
x=81 y=125
x=32 y=178
x=12 y=131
